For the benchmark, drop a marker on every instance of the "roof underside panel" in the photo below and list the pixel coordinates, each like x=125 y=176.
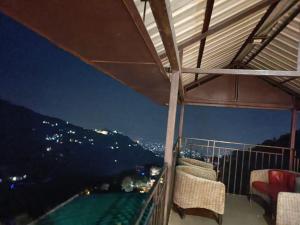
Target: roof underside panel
x=108 y=35
x=220 y=47
x=282 y=54
x=112 y=36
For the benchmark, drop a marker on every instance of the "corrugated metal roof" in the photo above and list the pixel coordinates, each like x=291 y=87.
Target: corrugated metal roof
x=222 y=46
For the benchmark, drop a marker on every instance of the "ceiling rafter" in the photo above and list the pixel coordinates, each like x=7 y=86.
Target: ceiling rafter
x=243 y=72
x=206 y=22
x=280 y=86
x=287 y=80
x=199 y=82
x=223 y=24
x=274 y=32
x=255 y=30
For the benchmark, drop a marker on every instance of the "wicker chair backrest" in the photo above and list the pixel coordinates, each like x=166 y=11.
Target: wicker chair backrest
x=197 y=172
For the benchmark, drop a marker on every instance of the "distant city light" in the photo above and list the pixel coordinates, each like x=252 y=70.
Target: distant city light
x=17 y=178
x=116 y=161
x=48 y=149
x=104 y=132
x=112 y=147
x=115 y=131
x=154 y=171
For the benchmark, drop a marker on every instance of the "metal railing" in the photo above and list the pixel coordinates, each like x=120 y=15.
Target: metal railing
x=152 y=211
x=234 y=161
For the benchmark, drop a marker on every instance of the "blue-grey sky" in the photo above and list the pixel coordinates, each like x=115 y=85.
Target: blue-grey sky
x=36 y=74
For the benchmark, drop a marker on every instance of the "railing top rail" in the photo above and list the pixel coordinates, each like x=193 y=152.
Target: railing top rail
x=236 y=143
x=225 y=148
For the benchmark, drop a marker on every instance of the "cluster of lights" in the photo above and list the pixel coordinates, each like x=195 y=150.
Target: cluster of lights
x=52 y=124
x=155 y=147
x=17 y=178
x=54 y=137
x=71 y=132
x=154 y=171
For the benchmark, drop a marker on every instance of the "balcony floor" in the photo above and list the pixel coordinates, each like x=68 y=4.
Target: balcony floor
x=238 y=211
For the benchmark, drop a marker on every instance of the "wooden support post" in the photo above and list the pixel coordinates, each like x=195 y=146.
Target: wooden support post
x=168 y=157
x=298 y=59
x=293 y=138
x=181 y=125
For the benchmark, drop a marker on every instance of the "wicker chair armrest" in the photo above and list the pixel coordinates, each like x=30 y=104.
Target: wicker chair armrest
x=199 y=172
x=258 y=175
x=288 y=209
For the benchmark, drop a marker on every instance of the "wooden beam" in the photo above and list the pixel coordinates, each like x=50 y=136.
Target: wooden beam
x=276 y=31
x=298 y=58
x=163 y=17
x=293 y=138
x=288 y=80
x=223 y=24
x=208 y=12
x=268 y=26
x=168 y=157
x=255 y=30
x=280 y=86
x=181 y=57
x=199 y=82
x=243 y=72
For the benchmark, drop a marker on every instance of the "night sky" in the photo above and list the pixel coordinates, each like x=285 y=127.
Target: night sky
x=36 y=74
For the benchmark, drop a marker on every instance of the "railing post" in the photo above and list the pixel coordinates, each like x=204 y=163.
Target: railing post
x=168 y=157
x=180 y=132
x=293 y=138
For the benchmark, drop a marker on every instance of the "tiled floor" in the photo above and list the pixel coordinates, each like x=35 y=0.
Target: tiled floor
x=238 y=211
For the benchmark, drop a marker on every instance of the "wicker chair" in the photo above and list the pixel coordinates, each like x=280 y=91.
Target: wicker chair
x=288 y=209
x=194 y=162
x=196 y=187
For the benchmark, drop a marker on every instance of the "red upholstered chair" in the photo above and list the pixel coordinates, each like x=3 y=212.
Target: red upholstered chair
x=278 y=181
